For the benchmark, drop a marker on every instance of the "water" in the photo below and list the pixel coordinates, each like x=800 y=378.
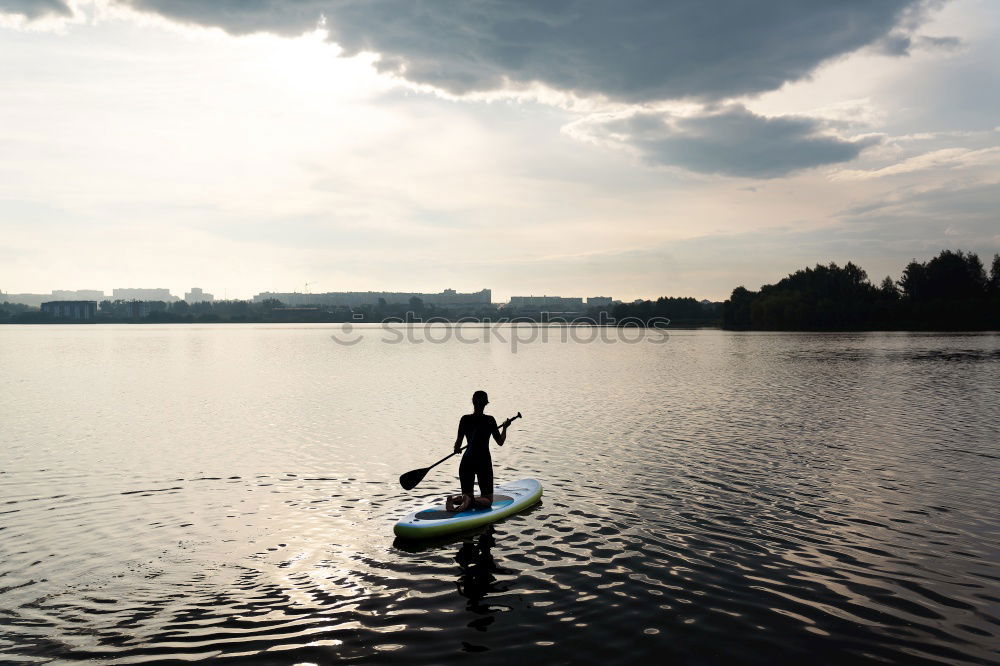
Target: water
x=188 y=493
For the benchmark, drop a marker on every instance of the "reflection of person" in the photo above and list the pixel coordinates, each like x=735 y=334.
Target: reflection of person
x=478 y=568
x=477 y=428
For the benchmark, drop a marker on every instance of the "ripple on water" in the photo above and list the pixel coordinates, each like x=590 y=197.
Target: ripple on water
x=724 y=498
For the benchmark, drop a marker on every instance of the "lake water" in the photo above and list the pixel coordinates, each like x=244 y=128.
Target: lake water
x=201 y=492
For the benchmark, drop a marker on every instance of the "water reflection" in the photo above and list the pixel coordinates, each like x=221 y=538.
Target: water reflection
x=478 y=570
x=808 y=495
x=478 y=576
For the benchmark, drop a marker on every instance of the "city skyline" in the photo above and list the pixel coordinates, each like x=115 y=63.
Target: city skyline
x=444 y=297
x=498 y=296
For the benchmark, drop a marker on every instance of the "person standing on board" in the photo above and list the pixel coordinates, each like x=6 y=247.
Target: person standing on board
x=477 y=428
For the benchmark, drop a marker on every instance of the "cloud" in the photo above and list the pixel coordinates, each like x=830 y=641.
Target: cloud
x=632 y=50
x=732 y=141
x=901 y=43
x=33 y=9
x=943 y=159
x=973 y=205
x=942 y=43
x=894 y=44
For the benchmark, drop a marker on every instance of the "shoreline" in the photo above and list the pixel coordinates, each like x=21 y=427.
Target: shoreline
x=486 y=323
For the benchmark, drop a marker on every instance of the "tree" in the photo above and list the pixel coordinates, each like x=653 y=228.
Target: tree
x=950 y=275
x=736 y=310
x=269 y=304
x=824 y=297
x=913 y=281
x=888 y=289
x=11 y=311
x=203 y=308
x=948 y=292
x=956 y=275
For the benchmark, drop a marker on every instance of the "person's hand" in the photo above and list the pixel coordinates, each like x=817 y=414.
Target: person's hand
x=457 y=448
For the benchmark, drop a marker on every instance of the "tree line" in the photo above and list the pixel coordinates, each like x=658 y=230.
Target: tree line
x=951 y=291
x=680 y=311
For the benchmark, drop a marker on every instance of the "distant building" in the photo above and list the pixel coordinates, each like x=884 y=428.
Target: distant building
x=598 y=301
x=196 y=295
x=447 y=299
x=546 y=303
x=82 y=310
x=78 y=294
x=129 y=294
x=450 y=297
x=36 y=300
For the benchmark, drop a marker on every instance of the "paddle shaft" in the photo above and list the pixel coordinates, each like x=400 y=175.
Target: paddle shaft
x=454 y=453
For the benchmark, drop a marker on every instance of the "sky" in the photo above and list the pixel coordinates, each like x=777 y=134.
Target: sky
x=631 y=149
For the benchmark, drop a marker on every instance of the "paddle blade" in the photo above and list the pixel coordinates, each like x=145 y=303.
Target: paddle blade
x=410 y=480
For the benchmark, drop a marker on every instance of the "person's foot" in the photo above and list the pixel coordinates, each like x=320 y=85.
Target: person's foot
x=458 y=503
x=484 y=502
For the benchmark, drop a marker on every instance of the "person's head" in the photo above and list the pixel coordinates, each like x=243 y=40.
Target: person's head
x=480 y=400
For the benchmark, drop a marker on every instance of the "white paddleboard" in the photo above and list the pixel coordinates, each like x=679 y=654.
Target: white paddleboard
x=434 y=521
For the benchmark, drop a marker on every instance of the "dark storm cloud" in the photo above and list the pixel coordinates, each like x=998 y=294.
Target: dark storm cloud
x=629 y=50
x=35 y=8
x=733 y=142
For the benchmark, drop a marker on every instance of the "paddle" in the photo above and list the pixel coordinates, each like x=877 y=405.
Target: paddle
x=410 y=480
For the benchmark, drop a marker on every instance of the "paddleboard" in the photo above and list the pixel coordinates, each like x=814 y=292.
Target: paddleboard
x=434 y=521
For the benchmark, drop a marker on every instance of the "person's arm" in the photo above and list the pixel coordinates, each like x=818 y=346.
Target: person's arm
x=500 y=435
x=458 y=438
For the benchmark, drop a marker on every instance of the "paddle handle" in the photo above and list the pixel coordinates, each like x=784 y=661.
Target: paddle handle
x=506 y=424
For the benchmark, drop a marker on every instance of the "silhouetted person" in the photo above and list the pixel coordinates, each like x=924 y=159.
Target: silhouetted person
x=477 y=428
